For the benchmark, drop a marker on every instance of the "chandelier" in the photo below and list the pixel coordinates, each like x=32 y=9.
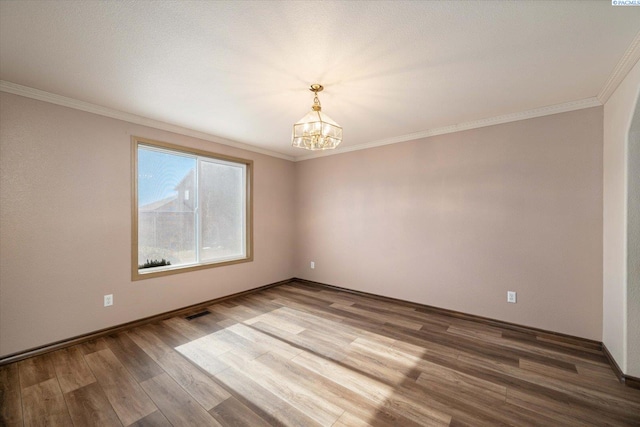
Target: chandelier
x=316 y=130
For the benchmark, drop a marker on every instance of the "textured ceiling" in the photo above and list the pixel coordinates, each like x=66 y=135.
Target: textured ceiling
x=240 y=70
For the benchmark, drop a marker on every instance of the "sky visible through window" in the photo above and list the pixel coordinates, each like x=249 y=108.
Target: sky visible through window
x=159 y=173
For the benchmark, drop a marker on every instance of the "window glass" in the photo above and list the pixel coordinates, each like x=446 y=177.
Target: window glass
x=190 y=209
x=221 y=210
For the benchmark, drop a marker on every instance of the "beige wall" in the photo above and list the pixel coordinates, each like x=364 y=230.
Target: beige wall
x=621 y=303
x=452 y=221
x=633 y=245
x=65 y=226
x=456 y=220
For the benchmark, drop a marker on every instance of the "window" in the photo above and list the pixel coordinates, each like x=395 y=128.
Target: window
x=191 y=209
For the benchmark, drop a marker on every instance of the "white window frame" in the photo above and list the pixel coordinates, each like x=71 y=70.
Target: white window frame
x=146 y=273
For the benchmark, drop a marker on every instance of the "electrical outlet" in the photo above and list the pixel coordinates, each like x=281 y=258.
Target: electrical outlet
x=511 y=296
x=313 y=265
x=108 y=300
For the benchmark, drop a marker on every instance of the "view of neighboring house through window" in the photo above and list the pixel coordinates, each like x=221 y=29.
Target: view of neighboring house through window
x=192 y=209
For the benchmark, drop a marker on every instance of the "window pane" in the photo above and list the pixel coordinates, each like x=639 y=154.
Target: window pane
x=222 y=198
x=190 y=210
x=166 y=207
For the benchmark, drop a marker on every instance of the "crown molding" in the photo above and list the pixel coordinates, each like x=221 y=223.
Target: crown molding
x=41 y=95
x=622 y=68
x=64 y=101
x=529 y=114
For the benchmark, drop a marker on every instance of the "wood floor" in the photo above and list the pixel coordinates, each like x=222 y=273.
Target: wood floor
x=302 y=355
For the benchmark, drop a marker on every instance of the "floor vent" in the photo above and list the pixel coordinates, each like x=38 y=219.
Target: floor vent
x=198 y=314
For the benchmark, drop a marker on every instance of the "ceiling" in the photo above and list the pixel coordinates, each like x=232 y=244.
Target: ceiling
x=391 y=70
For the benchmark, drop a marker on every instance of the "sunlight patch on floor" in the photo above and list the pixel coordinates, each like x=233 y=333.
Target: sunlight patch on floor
x=311 y=363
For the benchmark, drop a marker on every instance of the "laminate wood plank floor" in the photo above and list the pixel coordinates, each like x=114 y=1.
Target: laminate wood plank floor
x=306 y=355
